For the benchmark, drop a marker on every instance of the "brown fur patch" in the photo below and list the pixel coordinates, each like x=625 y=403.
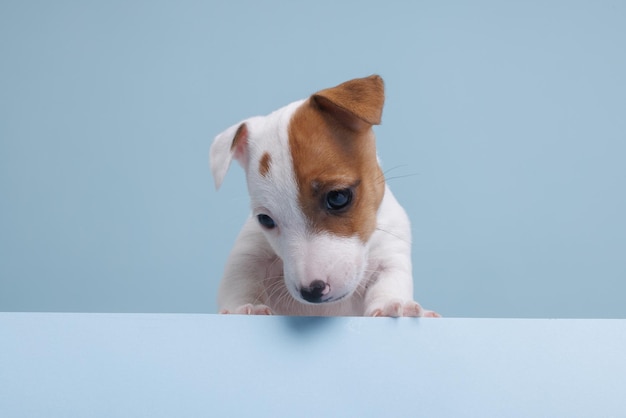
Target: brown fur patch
x=264 y=164
x=329 y=155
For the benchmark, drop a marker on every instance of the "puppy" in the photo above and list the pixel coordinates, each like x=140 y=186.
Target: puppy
x=326 y=236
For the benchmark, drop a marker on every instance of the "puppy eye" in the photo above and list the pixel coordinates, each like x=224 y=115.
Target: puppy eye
x=266 y=221
x=338 y=199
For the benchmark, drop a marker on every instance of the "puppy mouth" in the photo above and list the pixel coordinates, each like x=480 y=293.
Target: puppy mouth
x=336 y=298
x=331 y=299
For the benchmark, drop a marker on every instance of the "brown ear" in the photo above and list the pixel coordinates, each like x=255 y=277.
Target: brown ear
x=356 y=103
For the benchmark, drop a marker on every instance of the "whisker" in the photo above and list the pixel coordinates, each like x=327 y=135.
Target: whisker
x=394 y=168
x=268 y=283
x=403 y=176
x=276 y=288
x=393 y=235
x=383 y=175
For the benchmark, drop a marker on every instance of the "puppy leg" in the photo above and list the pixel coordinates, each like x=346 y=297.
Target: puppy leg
x=392 y=295
x=251 y=262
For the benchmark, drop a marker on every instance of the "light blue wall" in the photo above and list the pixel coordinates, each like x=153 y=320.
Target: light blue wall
x=504 y=134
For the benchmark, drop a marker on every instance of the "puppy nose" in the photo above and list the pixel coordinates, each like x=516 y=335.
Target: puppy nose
x=315 y=291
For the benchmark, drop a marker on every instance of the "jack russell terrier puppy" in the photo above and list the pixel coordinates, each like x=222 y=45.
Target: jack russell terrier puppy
x=326 y=236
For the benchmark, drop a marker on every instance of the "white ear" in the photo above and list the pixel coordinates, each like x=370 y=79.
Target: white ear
x=233 y=142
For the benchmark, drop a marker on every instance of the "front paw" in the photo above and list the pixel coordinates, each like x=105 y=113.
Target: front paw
x=249 y=309
x=430 y=314
x=397 y=307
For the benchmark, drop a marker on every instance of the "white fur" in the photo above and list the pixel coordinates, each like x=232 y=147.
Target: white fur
x=268 y=267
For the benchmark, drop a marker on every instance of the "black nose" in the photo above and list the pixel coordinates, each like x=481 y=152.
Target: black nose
x=315 y=291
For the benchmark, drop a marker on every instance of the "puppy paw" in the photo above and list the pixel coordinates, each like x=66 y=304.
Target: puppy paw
x=248 y=309
x=430 y=314
x=397 y=308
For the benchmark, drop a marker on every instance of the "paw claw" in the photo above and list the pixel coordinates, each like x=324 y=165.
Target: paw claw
x=398 y=308
x=431 y=314
x=249 y=309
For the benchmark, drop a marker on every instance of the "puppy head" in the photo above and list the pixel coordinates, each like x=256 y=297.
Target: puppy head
x=314 y=183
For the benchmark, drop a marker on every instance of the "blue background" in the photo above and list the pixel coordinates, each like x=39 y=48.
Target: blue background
x=504 y=136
